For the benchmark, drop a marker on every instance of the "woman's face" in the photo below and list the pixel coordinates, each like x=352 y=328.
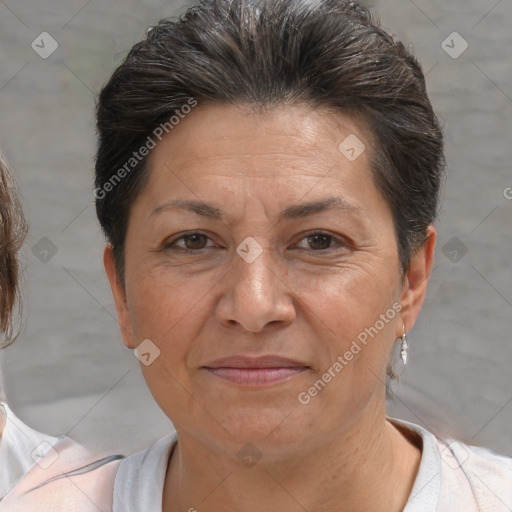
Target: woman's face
x=257 y=236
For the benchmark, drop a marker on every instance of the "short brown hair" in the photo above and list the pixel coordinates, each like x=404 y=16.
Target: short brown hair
x=13 y=229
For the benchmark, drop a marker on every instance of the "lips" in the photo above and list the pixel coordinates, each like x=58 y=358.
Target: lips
x=255 y=371
x=269 y=361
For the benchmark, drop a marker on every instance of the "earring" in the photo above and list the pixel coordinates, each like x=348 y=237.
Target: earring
x=404 y=348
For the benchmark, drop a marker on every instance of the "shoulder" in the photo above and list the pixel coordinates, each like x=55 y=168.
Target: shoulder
x=67 y=477
x=139 y=481
x=456 y=477
x=20 y=448
x=481 y=473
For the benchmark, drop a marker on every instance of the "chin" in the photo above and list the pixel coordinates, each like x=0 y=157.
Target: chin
x=264 y=426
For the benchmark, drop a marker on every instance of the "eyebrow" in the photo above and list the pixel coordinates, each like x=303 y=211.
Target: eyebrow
x=295 y=211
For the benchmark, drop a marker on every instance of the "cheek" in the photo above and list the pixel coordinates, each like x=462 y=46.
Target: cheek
x=159 y=305
x=351 y=315
x=349 y=299
x=345 y=316
x=166 y=311
x=170 y=309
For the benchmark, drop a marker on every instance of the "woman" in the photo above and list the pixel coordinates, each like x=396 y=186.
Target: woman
x=38 y=472
x=267 y=177
x=19 y=445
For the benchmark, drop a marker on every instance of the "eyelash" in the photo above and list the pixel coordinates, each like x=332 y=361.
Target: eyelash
x=334 y=242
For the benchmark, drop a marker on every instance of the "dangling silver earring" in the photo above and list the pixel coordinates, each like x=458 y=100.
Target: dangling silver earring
x=404 y=348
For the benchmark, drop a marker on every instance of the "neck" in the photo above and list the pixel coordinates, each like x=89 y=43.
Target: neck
x=370 y=467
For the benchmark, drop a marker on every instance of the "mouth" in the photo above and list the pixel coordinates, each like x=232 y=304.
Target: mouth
x=255 y=371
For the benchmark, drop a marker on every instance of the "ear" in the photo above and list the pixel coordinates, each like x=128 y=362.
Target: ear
x=119 y=293
x=415 y=284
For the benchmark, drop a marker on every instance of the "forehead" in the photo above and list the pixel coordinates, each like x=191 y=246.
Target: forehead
x=283 y=143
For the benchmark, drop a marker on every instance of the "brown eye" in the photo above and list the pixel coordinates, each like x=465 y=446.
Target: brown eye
x=195 y=241
x=319 y=242
x=190 y=242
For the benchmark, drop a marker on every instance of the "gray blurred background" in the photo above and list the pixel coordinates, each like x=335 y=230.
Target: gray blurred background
x=69 y=372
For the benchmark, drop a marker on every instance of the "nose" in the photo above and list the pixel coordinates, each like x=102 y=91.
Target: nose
x=256 y=295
